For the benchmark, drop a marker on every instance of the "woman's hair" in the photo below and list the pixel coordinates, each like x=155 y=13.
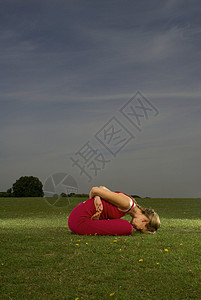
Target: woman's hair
x=154 y=221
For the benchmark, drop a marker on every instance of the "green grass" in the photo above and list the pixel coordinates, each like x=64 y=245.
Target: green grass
x=41 y=259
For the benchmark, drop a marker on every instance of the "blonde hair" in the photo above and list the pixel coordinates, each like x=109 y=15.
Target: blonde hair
x=154 y=220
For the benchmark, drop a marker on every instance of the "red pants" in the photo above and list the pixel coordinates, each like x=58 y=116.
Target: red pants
x=80 y=221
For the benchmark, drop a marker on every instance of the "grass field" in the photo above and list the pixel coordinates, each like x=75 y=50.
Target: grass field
x=41 y=259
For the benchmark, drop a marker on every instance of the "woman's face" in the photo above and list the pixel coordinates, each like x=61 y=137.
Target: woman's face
x=139 y=222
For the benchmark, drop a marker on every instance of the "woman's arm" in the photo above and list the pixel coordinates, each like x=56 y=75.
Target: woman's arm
x=118 y=199
x=100 y=187
x=103 y=187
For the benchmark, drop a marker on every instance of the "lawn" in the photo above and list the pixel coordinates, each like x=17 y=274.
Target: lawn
x=41 y=259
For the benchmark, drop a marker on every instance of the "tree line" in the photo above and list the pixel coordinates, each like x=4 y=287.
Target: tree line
x=25 y=186
x=30 y=186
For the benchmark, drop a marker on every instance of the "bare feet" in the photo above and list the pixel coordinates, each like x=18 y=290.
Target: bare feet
x=99 y=208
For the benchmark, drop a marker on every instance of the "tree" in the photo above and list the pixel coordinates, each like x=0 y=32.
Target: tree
x=9 y=191
x=63 y=195
x=71 y=194
x=28 y=186
x=6 y=194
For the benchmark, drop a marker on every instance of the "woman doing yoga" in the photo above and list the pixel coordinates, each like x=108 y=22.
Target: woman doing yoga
x=102 y=213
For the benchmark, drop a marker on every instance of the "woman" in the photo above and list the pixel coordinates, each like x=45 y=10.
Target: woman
x=102 y=213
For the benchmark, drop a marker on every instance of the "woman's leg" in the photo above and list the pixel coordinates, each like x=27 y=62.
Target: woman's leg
x=100 y=227
x=106 y=227
x=80 y=222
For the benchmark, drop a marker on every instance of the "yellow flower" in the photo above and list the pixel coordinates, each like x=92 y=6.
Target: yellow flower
x=2 y=264
x=166 y=250
x=112 y=294
x=115 y=241
x=77 y=244
x=181 y=244
x=76 y=298
x=119 y=249
x=157 y=263
x=141 y=259
x=86 y=243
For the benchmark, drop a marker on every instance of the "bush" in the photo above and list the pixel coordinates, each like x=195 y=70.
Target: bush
x=28 y=186
x=5 y=194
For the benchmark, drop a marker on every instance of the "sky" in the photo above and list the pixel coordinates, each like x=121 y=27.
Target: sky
x=74 y=78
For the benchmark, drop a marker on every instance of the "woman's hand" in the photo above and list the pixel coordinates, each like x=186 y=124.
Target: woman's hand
x=99 y=208
x=92 y=192
x=121 y=200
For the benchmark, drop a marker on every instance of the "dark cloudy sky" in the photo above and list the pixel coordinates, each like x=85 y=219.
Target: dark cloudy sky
x=68 y=67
